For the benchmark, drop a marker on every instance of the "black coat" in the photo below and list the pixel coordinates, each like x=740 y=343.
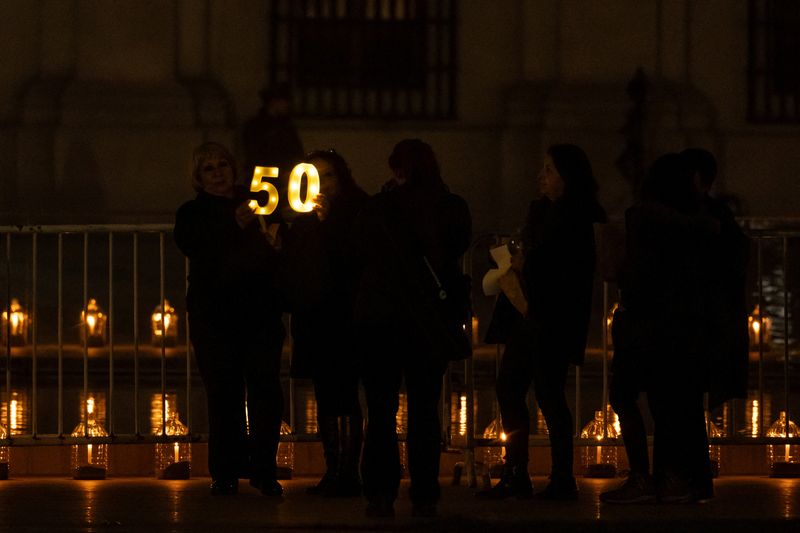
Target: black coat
x=727 y=342
x=559 y=247
x=662 y=330
x=395 y=230
x=231 y=270
x=320 y=280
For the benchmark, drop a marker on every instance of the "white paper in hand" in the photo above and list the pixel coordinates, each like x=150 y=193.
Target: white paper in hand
x=491 y=281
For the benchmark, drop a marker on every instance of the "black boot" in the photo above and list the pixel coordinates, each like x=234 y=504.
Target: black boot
x=514 y=481
x=329 y=433
x=347 y=482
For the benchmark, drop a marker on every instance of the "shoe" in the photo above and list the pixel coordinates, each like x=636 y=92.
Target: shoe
x=322 y=488
x=673 y=489
x=424 y=510
x=701 y=496
x=224 y=487
x=514 y=481
x=268 y=487
x=380 y=509
x=702 y=491
x=560 y=489
x=636 y=489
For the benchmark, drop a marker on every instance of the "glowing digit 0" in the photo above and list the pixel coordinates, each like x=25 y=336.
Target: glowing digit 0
x=295 y=180
x=258 y=184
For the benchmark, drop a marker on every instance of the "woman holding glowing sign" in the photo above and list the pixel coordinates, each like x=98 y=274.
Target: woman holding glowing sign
x=415 y=227
x=558 y=255
x=321 y=281
x=234 y=321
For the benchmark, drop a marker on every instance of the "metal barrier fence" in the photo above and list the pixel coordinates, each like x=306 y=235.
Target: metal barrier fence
x=55 y=271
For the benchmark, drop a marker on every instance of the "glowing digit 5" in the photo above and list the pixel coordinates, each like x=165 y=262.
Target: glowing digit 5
x=258 y=184
x=296 y=179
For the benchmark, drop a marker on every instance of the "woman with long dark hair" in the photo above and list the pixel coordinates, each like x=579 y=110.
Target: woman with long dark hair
x=557 y=276
x=321 y=282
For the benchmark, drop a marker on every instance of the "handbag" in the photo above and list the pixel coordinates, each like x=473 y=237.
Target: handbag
x=447 y=324
x=441 y=315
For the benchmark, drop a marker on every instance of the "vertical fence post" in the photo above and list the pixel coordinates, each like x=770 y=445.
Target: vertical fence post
x=60 y=333
x=85 y=330
x=110 y=333
x=188 y=355
x=34 y=305
x=161 y=277
x=760 y=274
x=137 y=429
x=8 y=333
x=786 y=405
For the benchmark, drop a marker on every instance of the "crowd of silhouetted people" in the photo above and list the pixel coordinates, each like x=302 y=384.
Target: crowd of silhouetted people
x=373 y=284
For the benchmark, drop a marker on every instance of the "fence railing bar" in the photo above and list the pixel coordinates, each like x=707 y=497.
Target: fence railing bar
x=111 y=333
x=761 y=311
x=8 y=334
x=60 y=333
x=85 y=331
x=786 y=370
x=189 y=355
x=136 y=426
x=34 y=321
x=161 y=283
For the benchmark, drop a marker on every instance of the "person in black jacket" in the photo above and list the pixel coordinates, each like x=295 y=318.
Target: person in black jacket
x=321 y=281
x=557 y=274
x=234 y=322
x=414 y=229
x=659 y=334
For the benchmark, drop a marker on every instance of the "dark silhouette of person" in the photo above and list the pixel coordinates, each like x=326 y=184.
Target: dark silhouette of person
x=235 y=323
x=414 y=220
x=558 y=271
x=270 y=139
x=658 y=335
x=322 y=277
x=725 y=281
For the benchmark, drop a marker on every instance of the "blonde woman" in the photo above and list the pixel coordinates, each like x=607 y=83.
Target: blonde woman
x=235 y=323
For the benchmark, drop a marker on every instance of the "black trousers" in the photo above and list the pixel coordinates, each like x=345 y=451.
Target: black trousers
x=238 y=365
x=623 y=395
x=391 y=355
x=520 y=366
x=680 y=440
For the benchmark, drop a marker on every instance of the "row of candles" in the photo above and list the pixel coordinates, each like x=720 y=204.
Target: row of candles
x=173 y=458
x=163 y=324
x=602 y=459
x=90 y=460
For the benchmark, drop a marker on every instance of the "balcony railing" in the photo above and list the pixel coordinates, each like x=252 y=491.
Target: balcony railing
x=54 y=366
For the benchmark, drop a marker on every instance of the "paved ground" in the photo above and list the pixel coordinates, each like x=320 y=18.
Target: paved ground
x=750 y=504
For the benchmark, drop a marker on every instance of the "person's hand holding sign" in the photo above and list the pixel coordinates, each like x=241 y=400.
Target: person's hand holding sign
x=244 y=214
x=322 y=206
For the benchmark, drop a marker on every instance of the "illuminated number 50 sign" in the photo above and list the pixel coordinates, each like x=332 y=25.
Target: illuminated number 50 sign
x=301 y=205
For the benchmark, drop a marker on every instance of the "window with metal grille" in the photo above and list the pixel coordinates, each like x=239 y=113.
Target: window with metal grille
x=366 y=58
x=774 y=61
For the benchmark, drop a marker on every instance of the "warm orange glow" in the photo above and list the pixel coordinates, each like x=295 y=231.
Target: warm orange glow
x=258 y=184
x=15 y=319
x=95 y=323
x=164 y=322
x=295 y=181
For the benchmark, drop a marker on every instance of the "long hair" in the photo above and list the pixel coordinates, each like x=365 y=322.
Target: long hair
x=418 y=163
x=205 y=151
x=340 y=167
x=575 y=169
